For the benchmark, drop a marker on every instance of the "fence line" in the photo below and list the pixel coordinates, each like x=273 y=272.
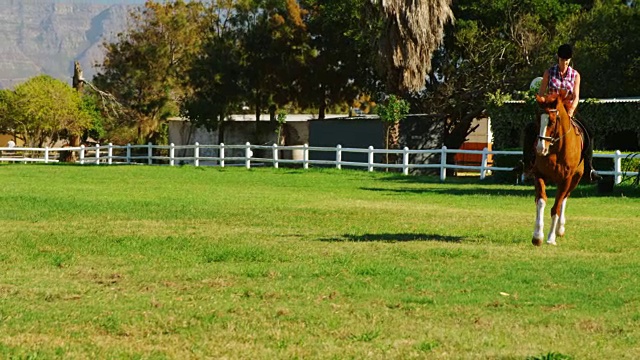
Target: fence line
x=244 y=155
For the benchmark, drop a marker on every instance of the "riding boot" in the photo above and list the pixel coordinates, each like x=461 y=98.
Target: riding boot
x=587 y=153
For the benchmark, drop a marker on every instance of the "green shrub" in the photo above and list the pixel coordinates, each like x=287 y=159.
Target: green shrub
x=510 y=114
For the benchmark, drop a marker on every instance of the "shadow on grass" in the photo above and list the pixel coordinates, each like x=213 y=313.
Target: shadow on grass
x=524 y=192
x=391 y=238
x=485 y=187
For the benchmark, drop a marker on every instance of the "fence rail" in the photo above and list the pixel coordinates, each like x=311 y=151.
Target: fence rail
x=234 y=155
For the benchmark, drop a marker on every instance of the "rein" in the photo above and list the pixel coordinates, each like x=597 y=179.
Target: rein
x=553 y=140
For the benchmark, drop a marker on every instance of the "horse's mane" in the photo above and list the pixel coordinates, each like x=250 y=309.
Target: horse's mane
x=550 y=101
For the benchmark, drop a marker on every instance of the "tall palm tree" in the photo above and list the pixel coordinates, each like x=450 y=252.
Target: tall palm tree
x=413 y=31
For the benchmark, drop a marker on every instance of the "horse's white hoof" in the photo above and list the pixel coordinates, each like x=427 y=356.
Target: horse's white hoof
x=551 y=242
x=560 y=232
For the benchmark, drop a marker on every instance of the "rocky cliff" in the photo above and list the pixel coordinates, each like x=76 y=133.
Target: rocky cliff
x=45 y=37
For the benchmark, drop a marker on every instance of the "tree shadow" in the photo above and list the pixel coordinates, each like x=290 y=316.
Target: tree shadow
x=524 y=192
x=583 y=191
x=392 y=238
x=485 y=187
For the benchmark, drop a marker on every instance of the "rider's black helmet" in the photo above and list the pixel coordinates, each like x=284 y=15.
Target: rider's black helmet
x=565 y=51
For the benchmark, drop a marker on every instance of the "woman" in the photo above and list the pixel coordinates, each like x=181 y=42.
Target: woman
x=563 y=77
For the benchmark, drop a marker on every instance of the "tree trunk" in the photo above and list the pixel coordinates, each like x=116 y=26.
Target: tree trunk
x=391 y=140
x=457 y=135
x=322 y=110
x=272 y=112
x=78 y=78
x=258 y=108
x=74 y=140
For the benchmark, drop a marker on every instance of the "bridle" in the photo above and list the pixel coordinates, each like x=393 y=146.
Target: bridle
x=553 y=140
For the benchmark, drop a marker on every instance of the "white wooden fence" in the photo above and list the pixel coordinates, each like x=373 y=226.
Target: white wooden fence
x=166 y=154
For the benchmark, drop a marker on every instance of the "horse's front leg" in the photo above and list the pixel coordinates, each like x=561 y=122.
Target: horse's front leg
x=557 y=214
x=574 y=182
x=541 y=201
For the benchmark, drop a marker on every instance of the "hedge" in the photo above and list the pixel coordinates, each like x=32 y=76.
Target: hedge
x=616 y=125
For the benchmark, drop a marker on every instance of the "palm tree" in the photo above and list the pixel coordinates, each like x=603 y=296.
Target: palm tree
x=413 y=30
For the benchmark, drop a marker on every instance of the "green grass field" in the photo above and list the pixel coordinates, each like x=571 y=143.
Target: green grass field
x=183 y=262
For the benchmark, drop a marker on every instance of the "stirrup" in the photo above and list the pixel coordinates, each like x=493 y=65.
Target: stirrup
x=594 y=176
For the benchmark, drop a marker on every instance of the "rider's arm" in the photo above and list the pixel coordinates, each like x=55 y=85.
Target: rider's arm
x=544 y=83
x=576 y=96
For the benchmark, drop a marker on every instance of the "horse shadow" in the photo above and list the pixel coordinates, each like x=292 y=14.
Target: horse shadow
x=394 y=238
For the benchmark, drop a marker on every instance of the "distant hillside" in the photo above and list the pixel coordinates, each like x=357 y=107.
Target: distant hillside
x=45 y=37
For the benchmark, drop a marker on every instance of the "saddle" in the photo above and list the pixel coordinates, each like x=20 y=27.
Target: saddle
x=580 y=130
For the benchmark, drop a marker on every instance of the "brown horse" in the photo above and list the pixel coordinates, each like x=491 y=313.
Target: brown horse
x=558 y=160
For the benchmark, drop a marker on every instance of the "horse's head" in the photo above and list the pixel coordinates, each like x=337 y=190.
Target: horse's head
x=553 y=113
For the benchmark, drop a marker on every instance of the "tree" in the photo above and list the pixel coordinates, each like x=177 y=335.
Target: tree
x=215 y=72
x=391 y=113
x=341 y=64
x=273 y=43
x=253 y=54
x=147 y=67
x=606 y=53
x=6 y=118
x=493 y=45
x=413 y=31
x=43 y=110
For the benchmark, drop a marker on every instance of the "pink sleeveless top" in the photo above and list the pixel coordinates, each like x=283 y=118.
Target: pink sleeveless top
x=558 y=82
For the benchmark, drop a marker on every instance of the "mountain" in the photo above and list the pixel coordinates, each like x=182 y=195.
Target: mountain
x=45 y=37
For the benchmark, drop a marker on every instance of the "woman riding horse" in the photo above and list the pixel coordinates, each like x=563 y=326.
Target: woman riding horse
x=562 y=77
x=558 y=159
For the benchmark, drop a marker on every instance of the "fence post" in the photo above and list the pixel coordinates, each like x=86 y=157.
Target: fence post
x=150 y=153
x=196 y=154
x=483 y=164
x=97 y=154
x=405 y=161
x=339 y=156
x=370 y=158
x=110 y=154
x=247 y=154
x=221 y=154
x=305 y=156
x=443 y=164
x=617 y=167
x=129 y=153
x=81 y=154
x=172 y=153
x=275 y=156
x=46 y=154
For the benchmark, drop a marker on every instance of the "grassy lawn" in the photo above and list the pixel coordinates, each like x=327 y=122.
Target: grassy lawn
x=183 y=262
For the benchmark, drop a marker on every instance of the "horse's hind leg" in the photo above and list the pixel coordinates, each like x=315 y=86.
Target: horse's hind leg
x=563 y=220
x=557 y=214
x=563 y=206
